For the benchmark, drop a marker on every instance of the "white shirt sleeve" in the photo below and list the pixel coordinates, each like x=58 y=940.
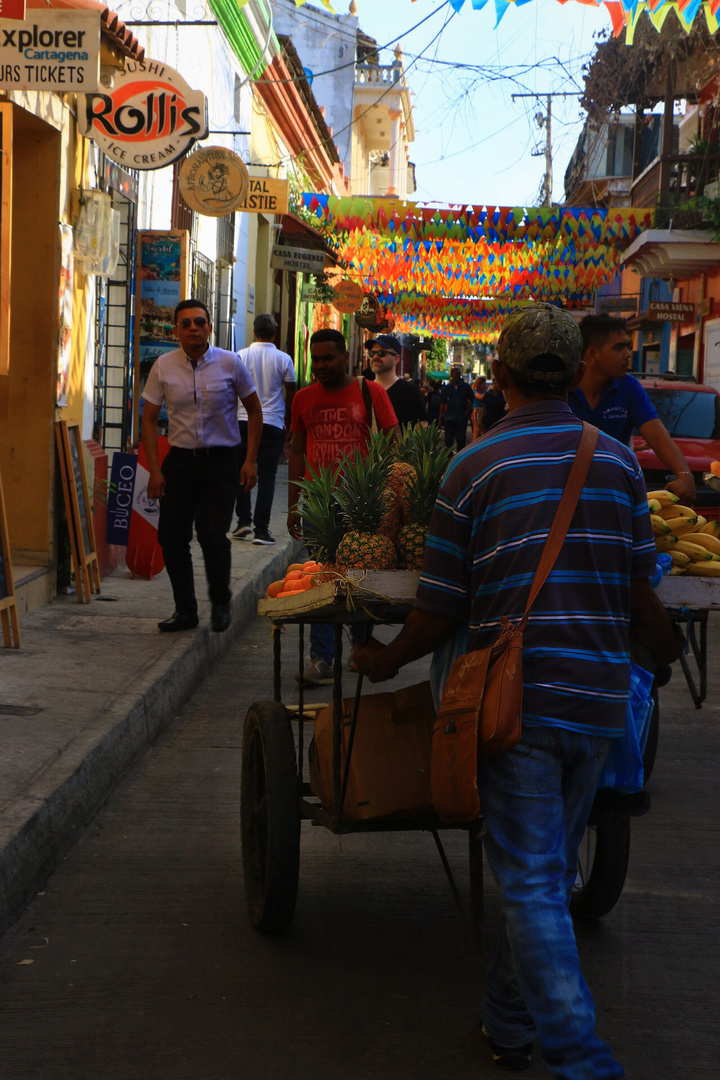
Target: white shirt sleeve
x=243 y=380
x=153 y=390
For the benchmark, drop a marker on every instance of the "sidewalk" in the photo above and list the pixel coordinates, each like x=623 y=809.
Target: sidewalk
x=91 y=687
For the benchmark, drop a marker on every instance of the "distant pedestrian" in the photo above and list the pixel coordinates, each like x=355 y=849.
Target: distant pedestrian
x=479 y=388
x=384 y=353
x=493 y=407
x=456 y=402
x=272 y=372
x=197 y=484
x=432 y=400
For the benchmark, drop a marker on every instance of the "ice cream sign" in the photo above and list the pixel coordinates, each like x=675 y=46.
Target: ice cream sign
x=149 y=119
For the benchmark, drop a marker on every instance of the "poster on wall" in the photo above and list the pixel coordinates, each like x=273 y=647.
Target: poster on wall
x=161 y=285
x=65 y=314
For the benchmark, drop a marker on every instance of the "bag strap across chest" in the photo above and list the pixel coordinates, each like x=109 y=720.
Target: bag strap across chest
x=564 y=514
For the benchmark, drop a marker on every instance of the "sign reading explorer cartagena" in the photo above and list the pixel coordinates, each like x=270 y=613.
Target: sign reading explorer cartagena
x=149 y=119
x=52 y=50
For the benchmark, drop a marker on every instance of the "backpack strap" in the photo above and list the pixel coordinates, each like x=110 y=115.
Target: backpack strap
x=371 y=419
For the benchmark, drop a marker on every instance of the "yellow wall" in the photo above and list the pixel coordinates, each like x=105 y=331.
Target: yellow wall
x=75 y=152
x=27 y=452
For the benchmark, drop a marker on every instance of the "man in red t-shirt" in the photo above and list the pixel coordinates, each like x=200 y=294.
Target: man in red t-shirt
x=329 y=418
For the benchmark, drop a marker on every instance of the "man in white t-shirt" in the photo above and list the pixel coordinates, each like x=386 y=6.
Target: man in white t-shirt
x=272 y=372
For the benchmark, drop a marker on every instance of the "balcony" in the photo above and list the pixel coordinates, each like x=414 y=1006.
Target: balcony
x=379 y=75
x=687 y=175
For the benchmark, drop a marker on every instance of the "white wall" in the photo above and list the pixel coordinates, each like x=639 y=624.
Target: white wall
x=323 y=42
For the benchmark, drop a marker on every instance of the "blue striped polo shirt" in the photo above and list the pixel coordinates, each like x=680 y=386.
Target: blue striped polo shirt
x=490 y=522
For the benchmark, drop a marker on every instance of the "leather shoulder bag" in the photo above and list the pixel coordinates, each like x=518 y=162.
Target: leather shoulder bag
x=480 y=711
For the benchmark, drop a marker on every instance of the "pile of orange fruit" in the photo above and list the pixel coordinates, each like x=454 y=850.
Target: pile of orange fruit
x=298 y=578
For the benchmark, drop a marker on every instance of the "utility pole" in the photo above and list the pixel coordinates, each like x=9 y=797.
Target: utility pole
x=545 y=120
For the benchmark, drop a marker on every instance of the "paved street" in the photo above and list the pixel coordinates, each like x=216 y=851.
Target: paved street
x=137 y=961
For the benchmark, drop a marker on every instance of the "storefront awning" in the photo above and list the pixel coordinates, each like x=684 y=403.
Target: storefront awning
x=111 y=25
x=293 y=230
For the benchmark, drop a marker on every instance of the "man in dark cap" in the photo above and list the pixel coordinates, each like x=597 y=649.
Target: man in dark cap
x=490 y=522
x=384 y=353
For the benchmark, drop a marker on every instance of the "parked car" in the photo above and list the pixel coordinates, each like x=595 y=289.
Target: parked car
x=691 y=413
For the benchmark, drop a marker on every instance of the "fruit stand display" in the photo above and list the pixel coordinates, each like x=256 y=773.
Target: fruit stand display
x=693 y=544
x=365 y=523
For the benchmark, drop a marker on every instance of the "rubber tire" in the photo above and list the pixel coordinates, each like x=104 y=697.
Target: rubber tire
x=269 y=817
x=599 y=885
x=651 y=743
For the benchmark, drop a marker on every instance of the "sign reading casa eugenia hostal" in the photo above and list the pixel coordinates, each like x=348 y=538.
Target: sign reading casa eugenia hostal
x=149 y=119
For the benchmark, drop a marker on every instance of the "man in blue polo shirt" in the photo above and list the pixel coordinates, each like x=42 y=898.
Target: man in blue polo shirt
x=614 y=401
x=489 y=525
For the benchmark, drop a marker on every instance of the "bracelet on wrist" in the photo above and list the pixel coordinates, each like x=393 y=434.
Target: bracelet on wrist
x=685 y=472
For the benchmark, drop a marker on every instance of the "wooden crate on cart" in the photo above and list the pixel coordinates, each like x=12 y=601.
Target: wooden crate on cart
x=390 y=764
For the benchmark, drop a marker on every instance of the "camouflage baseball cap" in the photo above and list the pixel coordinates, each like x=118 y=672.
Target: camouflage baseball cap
x=540 y=330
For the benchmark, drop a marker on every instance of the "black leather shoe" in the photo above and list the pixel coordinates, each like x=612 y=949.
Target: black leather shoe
x=220 y=617
x=178 y=622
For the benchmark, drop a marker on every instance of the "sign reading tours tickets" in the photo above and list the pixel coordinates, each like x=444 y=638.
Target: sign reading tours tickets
x=149 y=119
x=214 y=181
x=53 y=50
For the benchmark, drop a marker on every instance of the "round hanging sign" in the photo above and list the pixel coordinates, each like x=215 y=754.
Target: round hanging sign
x=214 y=181
x=347 y=297
x=367 y=314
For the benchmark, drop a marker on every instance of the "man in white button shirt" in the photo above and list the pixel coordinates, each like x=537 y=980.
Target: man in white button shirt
x=272 y=371
x=197 y=484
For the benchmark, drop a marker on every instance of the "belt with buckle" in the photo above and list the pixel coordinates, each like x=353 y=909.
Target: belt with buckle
x=202 y=451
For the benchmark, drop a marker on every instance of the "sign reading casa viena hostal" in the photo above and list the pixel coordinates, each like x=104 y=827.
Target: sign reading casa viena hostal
x=51 y=50
x=149 y=119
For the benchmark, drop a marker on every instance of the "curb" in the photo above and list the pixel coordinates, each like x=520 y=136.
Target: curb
x=46 y=820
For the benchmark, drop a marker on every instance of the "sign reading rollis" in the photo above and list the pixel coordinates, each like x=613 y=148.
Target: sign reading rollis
x=149 y=119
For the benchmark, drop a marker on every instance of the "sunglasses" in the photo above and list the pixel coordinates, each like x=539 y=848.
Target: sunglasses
x=199 y=320
x=381 y=352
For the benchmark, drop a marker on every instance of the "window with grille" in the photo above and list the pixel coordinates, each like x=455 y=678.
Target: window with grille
x=203 y=280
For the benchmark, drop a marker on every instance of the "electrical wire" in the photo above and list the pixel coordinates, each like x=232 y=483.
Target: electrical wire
x=391 y=87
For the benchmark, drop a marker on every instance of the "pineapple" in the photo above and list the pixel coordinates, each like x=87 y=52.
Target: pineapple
x=323 y=526
x=361 y=492
x=423 y=493
x=400 y=476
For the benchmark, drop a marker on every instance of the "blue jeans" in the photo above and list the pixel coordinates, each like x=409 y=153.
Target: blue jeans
x=536 y=800
x=268 y=458
x=322 y=639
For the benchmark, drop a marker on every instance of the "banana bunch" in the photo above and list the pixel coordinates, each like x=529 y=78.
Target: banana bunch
x=692 y=543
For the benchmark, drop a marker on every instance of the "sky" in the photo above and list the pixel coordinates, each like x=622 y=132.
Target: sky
x=473 y=142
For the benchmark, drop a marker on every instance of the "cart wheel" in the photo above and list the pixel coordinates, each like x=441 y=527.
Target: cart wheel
x=602 y=866
x=269 y=817
x=651 y=743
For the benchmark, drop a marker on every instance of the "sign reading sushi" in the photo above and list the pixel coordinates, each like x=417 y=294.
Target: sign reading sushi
x=149 y=119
